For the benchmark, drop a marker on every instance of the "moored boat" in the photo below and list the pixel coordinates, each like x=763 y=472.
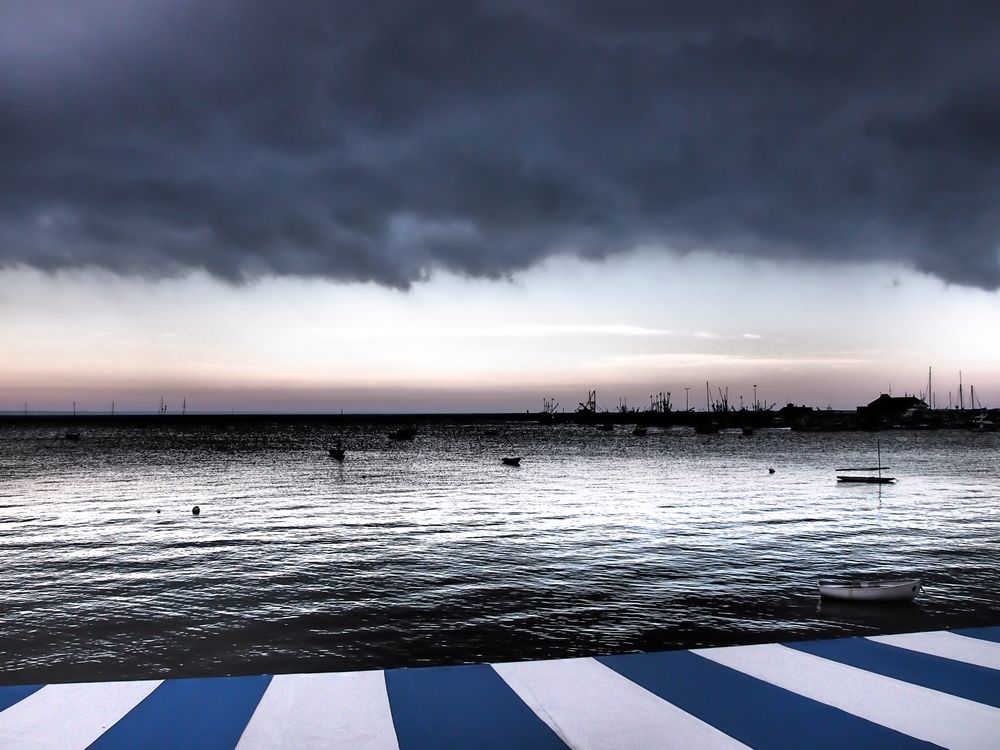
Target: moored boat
x=338 y=452
x=865 y=479
x=871 y=591
x=511 y=460
x=405 y=433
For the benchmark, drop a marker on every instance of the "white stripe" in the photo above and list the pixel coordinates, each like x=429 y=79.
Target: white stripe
x=591 y=706
x=948 y=645
x=301 y=711
x=917 y=711
x=69 y=717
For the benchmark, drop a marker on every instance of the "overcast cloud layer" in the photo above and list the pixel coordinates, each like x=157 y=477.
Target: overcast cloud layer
x=381 y=140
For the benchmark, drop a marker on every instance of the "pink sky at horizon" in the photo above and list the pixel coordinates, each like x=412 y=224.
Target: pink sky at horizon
x=819 y=335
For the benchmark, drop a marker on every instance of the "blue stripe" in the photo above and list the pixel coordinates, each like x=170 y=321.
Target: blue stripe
x=986 y=634
x=195 y=714
x=752 y=711
x=15 y=694
x=970 y=681
x=460 y=708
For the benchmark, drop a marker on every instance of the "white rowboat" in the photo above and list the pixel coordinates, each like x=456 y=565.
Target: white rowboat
x=872 y=591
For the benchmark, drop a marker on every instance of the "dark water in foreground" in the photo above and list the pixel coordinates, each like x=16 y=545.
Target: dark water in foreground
x=432 y=551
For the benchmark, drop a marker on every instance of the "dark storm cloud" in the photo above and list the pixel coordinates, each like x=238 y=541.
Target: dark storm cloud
x=380 y=141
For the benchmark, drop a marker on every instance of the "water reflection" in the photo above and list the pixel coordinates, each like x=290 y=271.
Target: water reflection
x=432 y=550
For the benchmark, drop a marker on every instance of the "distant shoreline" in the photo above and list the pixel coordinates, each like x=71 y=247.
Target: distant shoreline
x=802 y=418
x=253 y=418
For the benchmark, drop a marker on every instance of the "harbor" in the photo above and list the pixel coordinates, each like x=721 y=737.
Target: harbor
x=432 y=551
x=404 y=582
x=484 y=375
x=718 y=412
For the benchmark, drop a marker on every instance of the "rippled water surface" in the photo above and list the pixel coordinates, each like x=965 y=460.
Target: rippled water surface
x=432 y=551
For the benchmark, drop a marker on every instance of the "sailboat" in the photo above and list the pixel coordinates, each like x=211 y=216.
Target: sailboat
x=867 y=478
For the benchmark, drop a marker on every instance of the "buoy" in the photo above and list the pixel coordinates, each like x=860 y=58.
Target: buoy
x=196 y=510
x=157 y=510
x=770 y=471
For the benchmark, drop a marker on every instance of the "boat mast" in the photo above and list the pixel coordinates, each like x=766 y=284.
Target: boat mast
x=878 y=463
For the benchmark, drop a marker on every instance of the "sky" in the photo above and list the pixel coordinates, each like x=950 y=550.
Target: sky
x=471 y=206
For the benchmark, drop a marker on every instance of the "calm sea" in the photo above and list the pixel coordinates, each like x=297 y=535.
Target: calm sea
x=433 y=551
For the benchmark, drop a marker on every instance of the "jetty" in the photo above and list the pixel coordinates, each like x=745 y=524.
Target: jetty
x=913 y=690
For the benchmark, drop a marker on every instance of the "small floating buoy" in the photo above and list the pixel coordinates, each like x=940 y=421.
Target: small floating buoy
x=770 y=471
x=195 y=510
x=157 y=510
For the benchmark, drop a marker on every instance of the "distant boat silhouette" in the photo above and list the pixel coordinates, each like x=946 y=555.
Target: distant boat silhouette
x=512 y=461
x=640 y=431
x=405 y=433
x=338 y=452
x=848 y=478
x=981 y=424
x=606 y=427
x=71 y=436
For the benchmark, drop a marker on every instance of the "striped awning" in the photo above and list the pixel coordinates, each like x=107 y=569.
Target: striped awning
x=898 y=691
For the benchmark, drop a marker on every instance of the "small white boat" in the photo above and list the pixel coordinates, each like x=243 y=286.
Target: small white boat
x=872 y=591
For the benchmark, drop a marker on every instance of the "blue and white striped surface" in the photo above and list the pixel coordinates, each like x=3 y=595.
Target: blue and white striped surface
x=898 y=691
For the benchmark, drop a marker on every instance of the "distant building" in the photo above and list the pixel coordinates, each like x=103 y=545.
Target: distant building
x=892 y=407
x=790 y=412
